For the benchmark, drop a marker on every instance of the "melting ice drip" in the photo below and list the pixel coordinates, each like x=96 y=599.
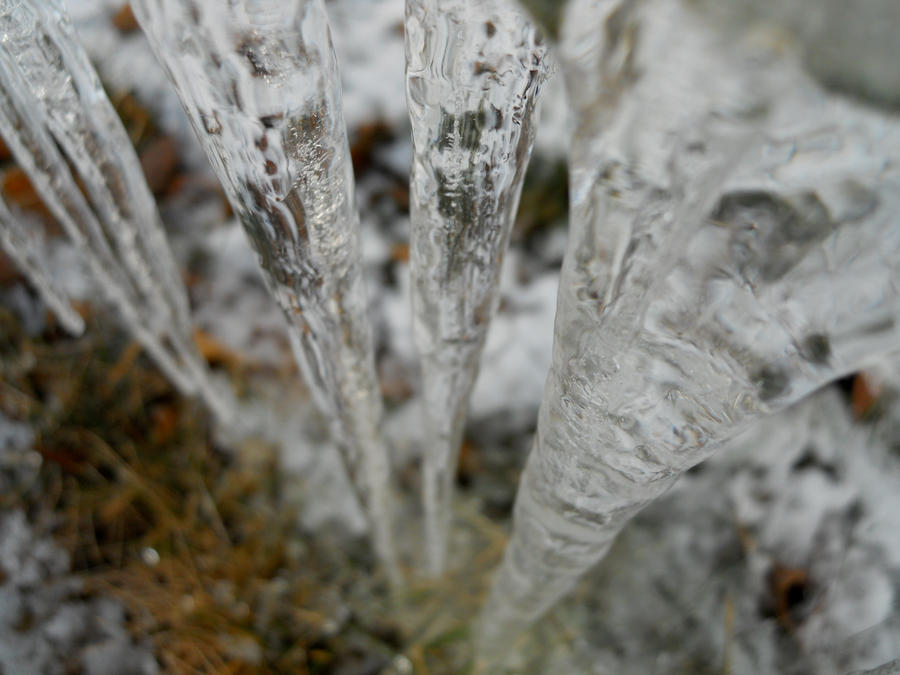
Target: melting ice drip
x=260 y=84
x=65 y=134
x=734 y=245
x=473 y=74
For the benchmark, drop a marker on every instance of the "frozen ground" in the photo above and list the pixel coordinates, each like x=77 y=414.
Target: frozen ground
x=47 y=624
x=781 y=555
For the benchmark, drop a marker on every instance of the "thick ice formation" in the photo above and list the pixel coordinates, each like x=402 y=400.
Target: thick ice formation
x=260 y=84
x=473 y=73
x=63 y=131
x=733 y=246
x=777 y=555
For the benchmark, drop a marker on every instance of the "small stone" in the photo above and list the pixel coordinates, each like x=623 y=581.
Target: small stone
x=150 y=556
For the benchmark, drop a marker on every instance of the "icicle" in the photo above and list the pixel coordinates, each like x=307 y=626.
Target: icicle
x=17 y=239
x=473 y=74
x=733 y=246
x=76 y=111
x=260 y=84
x=64 y=133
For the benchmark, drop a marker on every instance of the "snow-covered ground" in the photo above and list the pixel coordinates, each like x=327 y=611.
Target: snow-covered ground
x=47 y=625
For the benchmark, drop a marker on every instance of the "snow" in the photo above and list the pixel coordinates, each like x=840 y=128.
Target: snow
x=517 y=354
x=368 y=37
x=45 y=627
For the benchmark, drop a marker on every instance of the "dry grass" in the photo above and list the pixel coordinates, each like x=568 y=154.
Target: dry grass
x=199 y=542
x=194 y=539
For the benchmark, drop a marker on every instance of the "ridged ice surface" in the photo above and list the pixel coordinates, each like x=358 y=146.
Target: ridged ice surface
x=65 y=134
x=473 y=73
x=734 y=244
x=260 y=84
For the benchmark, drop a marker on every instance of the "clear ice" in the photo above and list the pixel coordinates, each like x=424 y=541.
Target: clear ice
x=64 y=133
x=20 y=238
x=473 y=73
x=733 y=246
x=260 y=84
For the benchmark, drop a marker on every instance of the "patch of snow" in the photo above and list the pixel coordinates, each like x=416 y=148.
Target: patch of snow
x=46 y=626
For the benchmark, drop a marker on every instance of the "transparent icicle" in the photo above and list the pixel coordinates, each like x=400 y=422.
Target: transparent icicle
x=734 y=244
x=260 y=84
x=473 y=72
x=18 y=239
x=63 y=131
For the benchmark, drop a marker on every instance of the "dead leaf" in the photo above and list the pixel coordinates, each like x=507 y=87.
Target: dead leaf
x=124 y=19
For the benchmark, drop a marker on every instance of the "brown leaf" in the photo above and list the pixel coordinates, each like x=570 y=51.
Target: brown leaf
x=863 y=396
x=400 y=252
x=135 y=117
x=159 y=160
x=68 y=459
x=790 y=589
x=125 y=20
x=217 y=353
x=400 y=195
x=17 y=188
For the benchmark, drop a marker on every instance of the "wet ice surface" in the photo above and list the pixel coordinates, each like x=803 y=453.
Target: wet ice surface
x=261 y=88
x=473 y=76
x=802 y=511
x=733 y=247
x=65 y=134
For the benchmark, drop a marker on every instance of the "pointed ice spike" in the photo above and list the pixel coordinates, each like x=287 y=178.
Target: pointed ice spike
x=40 y=40
x=65 y=134
x=20 y=242
x=473 y=72
x=260 y=84
x=733 y=246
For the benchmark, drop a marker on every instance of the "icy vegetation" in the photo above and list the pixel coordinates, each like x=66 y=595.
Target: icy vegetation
x=473 y=73
x=63 y=131
x=733 y=246
x=261 y=88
